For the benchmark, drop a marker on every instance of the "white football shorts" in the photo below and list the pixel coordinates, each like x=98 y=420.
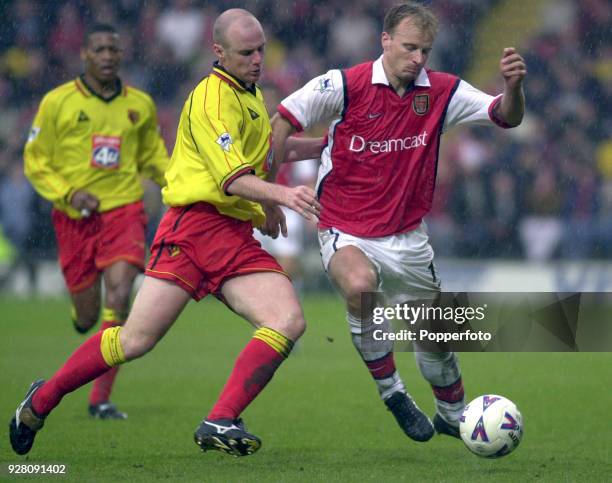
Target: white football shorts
x=404 y=262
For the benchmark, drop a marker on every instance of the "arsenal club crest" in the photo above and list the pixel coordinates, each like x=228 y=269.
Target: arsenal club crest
x=420 y=104
x=133 y=116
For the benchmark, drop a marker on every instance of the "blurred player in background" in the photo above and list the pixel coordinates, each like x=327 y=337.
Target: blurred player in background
x=287 y=250
x=205 y=245
x=90 y=142
x=376 y=184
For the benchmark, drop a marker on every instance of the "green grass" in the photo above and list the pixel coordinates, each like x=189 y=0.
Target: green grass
x=320 y=419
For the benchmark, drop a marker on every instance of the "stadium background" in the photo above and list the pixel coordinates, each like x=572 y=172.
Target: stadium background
x=549 y=182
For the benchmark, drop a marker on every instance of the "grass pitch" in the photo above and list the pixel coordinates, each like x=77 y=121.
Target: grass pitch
x=320 y=418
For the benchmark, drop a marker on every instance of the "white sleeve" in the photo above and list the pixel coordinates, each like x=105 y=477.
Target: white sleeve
x=320 y=99
x=470 y=106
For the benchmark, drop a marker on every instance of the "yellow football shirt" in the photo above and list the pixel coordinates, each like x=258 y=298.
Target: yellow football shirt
x=79 y=140
x=224 y=132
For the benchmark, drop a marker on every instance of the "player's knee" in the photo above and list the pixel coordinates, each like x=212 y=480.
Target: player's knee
x=118 y=295
x=136 y=345
x=362 y=281
x=292 y=324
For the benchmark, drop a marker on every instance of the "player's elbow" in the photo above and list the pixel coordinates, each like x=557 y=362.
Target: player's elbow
x=281 y=126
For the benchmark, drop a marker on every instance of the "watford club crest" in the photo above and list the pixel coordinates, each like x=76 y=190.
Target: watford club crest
x=420 y=104
x=133 y=116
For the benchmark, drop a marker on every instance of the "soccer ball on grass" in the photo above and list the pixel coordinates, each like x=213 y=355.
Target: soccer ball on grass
x=491 y=426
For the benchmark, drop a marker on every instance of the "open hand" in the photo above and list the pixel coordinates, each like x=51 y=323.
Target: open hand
x=302 y=200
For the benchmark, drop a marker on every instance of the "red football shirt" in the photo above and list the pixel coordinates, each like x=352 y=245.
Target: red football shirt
x=378 y=171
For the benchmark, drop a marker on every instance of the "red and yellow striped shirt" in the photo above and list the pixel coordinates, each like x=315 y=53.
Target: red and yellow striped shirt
x=224 y=132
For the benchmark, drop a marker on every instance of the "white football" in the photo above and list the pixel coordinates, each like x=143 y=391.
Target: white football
x=491 y=426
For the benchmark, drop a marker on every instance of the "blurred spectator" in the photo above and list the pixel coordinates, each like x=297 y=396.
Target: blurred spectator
x=469 y=208
x=504 y=213
x=541 y=229
x=66 y=37
x=182 y=28
x=354 y=35
x=16 y=218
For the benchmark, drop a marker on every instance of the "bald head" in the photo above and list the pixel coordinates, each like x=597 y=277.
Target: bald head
x=230 y=21
x=239 y=43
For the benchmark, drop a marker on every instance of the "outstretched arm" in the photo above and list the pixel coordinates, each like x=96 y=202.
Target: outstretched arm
x=512 y=105
x=302 y=148
x=281 y=130
x=300 y=199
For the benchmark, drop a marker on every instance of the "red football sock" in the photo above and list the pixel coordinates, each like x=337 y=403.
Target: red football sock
x=103 y=385
x=452 y=393
x=254 y=368
x=383 y=367
x=84 y=365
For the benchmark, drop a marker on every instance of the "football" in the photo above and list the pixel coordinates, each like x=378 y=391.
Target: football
x=491 y=426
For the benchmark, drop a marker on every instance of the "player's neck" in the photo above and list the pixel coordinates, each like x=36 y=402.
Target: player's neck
x=400 y=86
x=105 y=90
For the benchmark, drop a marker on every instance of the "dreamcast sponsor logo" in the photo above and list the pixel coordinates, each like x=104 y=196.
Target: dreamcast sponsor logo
x=359 y=144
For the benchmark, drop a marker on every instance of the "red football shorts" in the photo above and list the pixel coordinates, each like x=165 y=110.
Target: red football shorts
x=198 y=248
x=89 y=245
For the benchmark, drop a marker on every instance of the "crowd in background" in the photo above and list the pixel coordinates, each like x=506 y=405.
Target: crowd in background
x=541 y=191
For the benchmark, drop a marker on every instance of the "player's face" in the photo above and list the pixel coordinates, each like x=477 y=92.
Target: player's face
x=102 y=56
x=244 y=53
x=406 y=50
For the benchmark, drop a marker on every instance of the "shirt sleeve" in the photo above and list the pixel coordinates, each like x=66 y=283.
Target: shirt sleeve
x=38 y=155
x=320 y=99
x=152 y=154
x=216 y=131
x=472 y=106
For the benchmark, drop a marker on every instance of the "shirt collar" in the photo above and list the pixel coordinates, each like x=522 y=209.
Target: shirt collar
x=379 y=76
x=88 y=91
x=219 y=71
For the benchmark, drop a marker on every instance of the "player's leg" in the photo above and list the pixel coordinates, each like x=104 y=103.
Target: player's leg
x=120 y=254
x=118 y=281
x=86 y=307
x=269 y=302
x=156 y=307
x=353 y=274
x=440 y=369
x=76 y=247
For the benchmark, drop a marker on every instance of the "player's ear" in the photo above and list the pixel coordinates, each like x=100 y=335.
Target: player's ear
x=219 y=51
x=84 y=53
x=385 y=39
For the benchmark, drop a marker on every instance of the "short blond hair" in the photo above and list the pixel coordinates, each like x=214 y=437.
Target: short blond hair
x=422 y=16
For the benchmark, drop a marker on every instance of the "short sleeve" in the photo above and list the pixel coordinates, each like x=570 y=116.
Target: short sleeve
x=215 y=129
x=469 y=105
x=321 y=99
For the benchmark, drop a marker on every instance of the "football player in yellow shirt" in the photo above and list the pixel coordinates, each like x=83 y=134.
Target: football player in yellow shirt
x=205 y=245
x=90 y=142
